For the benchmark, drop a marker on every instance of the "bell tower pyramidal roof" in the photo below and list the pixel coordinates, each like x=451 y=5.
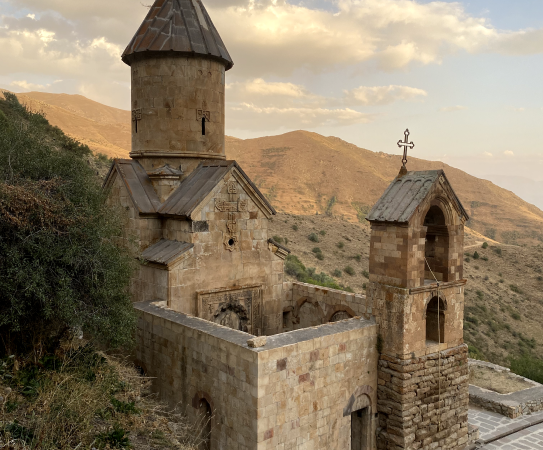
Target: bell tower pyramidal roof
x=179 y=26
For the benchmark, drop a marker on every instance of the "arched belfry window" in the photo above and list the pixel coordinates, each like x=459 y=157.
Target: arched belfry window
x=436 y=249
x=435 y=321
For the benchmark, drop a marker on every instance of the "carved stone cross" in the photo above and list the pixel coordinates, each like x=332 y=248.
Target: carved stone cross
x=137 y=116
x=405 y=144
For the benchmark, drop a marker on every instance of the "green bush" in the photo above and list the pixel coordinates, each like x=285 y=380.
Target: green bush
x=322 y=233
x=337 y=273
x=480 y=295
x=295 y=227
x=485 y=245
x=313 y=237
x=294 y=267
x=497 y=250
x=484 y=258
x=528 y=366
x=358 y=258
x=60 y=267
x=278 y=239
x=515 y=288
x=114 y=438
x=366 y=274
x=349 y=270
x=476 y=255
x=340 y=245
x=515 y=315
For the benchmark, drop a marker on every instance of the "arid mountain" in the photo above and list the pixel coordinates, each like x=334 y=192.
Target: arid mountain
x=104 y=129
x=306 y=173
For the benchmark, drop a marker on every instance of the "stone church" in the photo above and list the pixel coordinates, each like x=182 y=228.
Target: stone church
x=277 y=364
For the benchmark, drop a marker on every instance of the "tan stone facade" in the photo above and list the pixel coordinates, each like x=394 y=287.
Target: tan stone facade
x=170 y=96
x=275 y=364
x=298 y=391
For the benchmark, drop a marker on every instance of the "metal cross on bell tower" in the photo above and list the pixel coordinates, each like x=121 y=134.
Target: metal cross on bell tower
x=405 y=144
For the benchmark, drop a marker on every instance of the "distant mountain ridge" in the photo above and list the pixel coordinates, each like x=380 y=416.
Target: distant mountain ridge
x=305 y=173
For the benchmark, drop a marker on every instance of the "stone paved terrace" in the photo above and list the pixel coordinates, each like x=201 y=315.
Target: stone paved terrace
x=527 y=431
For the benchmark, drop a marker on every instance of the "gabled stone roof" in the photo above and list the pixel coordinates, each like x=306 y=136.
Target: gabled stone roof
x=402 y=197
x=137 y=183
x=166 y=252
x=180 y=27
x=190 y=193
x=165 y=172
x=200 y=183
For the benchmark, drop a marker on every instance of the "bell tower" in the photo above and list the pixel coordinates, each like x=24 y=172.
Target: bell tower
x=178 y=63
x=416 y=290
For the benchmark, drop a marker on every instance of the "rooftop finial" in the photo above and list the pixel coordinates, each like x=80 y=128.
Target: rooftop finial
x=405 y=144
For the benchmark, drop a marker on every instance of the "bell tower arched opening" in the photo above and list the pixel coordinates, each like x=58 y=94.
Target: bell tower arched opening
x=436 y=250
x=435 y=321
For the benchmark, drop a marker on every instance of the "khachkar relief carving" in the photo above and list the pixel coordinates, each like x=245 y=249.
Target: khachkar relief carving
x=233 y=206
x=238 y=308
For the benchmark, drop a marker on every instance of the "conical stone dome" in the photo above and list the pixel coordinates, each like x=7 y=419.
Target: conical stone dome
x=180 y=26
x=178 y=63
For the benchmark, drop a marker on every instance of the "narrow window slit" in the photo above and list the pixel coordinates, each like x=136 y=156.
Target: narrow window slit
x=203 y=126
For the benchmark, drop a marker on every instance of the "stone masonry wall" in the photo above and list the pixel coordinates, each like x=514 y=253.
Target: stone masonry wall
x=309 y=305
x=213 y=265
x=169 y=91
x=310 y=380
x=296 y=392
x=423 y=404
x=401 y=314
x=192 y=359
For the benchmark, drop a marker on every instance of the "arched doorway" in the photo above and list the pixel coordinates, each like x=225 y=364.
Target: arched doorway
x=436 y=250
x=204 y=422
x=435 y=321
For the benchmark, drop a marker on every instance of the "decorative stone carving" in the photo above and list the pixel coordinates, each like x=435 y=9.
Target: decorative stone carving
x=243 y=205
x=232 y=225
x=232 y=187
x=224 y=206
x=231 y=242
x=237 y=308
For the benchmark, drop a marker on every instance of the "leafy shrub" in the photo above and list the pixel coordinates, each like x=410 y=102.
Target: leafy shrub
x=322 y=233
x=476 y=267
x=502 y=280
x=124 y=407
x=17 y=431
x=358 y=258
x=337 y=273
x=476 y=255
x=295 y=227
x=472 y=319
x=115 y=438
x=515 y=288
x=364 y=286
x=467 y=260
x=516 y=316
x=313 y=237
x=340 y=244
x=497 y=250
x=484 y=258
x=278 y=239
x=485 y=245
x=366 y=274
x=316 y=250
x=539 y=278
x=528 y=366
x=349 y=270
x=480 y=295
x=294 y=267
x=59 y=265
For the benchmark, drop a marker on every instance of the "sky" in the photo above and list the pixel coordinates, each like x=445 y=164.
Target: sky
x=463 y=76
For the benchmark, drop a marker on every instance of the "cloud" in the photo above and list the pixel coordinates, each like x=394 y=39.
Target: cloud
x=382 y=95
x=512 y=108
x=488 y=154
x=508 y=153
x=247 y=116
x=282 y=94
x=453 y=108
x=26 y=86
